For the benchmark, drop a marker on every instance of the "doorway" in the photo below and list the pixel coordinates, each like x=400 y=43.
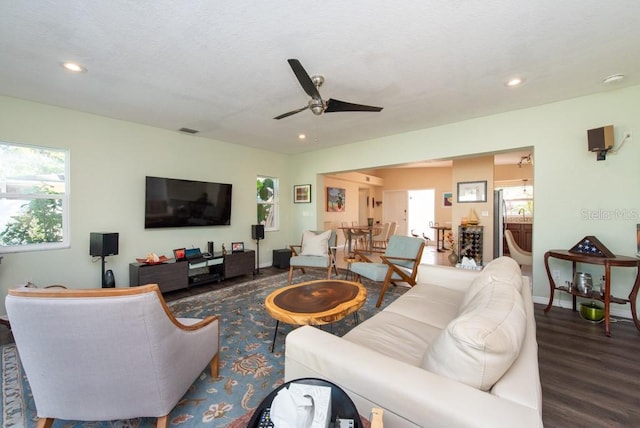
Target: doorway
x=421 y=212
x=410 y=209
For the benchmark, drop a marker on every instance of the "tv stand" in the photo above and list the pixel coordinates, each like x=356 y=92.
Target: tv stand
x=183 y=274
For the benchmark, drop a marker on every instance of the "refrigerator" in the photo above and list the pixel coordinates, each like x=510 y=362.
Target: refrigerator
x=499 y=217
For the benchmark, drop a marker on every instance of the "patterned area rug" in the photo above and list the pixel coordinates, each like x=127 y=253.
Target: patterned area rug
x=248 y=370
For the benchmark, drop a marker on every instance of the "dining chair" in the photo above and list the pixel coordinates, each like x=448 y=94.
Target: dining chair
x=400 y=263
x=393 y=227
x=380 y=238
x=316 y=250
x=108 y=354
x=359 y=235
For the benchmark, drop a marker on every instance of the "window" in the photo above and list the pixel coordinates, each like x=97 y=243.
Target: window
x=267 y=197
x=518 y=199
x=34 y=192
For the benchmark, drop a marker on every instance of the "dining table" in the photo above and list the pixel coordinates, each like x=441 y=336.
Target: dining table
x=440 y=231
x=375 y=228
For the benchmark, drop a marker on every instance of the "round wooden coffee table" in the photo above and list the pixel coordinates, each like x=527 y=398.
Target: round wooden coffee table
x=314 y=302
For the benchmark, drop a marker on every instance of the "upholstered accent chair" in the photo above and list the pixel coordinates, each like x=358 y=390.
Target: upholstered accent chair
x=108 y=354
x=399 y=263
x=521 y=256
x=317 y=250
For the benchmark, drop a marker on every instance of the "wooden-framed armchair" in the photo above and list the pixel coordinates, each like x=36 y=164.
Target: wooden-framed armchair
x=108 y=354
x=400 y=263
x=317 y=250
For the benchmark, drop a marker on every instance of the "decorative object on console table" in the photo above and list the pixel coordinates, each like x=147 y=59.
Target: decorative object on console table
x=302 y=194
x=237 y=247
x=179 y=254
x=591 y=246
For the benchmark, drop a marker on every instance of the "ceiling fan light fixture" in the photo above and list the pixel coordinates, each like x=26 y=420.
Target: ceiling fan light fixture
x=316 y=106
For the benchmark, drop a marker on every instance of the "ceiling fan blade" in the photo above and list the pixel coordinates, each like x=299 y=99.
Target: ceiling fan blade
x=338 y=106
x=282 y=116
x=304 y=79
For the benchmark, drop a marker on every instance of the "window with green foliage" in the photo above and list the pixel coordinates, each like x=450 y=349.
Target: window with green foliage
x=34 y=193
x=267 y=197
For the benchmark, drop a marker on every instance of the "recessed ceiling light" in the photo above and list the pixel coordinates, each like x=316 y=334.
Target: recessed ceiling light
x=72 y=66
x=516 y=81
x=614 y=78
x=301 y=136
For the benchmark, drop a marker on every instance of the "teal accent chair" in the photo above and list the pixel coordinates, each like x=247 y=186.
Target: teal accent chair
x=313 y=252
x=399 y=263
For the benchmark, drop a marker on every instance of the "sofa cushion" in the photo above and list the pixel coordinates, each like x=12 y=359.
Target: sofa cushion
x=429 y=304
x=502 y=269
x=479 y=346
x=392 y=334
x=315 y=244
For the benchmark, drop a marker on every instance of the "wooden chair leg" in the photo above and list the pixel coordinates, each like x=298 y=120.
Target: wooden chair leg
x=385 y=285
x=163 y=422
x=290 y=274
x=44 y=423
x=215 y=365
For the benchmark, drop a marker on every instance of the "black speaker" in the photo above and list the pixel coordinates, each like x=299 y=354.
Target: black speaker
x=210 y=247
x=257 y=231
x=103 y=244
x=600 y=138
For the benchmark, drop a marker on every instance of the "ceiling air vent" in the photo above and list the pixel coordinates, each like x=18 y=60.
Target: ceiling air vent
x=188 y=130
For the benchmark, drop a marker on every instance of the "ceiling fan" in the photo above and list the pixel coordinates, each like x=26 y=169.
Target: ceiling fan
x=316 y=104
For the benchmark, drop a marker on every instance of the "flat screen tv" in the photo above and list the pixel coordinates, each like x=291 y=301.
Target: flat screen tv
x=171 y=202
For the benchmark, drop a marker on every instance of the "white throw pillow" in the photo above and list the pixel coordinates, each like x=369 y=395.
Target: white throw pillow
x=315 y=244
x=502 y=269
x=479 y=346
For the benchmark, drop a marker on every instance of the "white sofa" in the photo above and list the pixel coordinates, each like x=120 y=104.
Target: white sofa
x=458 y=349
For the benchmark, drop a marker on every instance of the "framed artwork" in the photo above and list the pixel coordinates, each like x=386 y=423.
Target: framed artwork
x=237 y=247
x=302 y=194
x=472 y=191
x=179 y=253
x=335 y=199
x=447 y=199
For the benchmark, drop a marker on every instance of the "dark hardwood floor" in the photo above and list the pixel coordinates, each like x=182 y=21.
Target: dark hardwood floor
x=588 y=379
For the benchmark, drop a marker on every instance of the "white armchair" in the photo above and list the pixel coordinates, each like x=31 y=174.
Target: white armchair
x=105 y=354
x=521 y=256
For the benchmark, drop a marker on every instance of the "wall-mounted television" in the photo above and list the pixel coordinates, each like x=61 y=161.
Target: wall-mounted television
x=171 y=202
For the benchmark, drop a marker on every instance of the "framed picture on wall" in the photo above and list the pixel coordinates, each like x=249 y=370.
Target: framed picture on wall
x=472 y=191
x=335 y=199
x=447 y=199
x=302 y=194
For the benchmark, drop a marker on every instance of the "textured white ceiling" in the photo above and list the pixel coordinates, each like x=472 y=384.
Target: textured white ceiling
x=220 y=67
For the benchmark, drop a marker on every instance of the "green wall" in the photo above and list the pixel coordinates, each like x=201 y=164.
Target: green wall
x=574 y=194
x=571 y=187
x=109 y=160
